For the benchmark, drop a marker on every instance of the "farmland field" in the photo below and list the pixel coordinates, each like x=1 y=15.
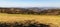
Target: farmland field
x=55 y=19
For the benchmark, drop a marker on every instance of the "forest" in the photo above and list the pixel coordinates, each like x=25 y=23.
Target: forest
x=37 y=11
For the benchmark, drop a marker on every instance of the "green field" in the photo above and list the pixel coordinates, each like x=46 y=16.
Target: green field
x=21 y=17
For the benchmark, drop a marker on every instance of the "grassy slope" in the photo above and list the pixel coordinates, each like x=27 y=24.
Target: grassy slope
x=19 y=17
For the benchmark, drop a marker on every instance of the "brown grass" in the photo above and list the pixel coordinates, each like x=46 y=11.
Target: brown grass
x=46 y=19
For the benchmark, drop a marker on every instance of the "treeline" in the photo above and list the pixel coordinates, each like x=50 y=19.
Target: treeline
x=27 y=23
x=30 y=11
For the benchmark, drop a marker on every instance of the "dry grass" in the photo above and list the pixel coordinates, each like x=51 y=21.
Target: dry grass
x=21 y=17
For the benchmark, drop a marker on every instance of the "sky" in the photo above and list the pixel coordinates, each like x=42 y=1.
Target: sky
x=29 y=3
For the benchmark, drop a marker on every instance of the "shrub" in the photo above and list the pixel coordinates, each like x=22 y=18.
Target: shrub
x=27 y=23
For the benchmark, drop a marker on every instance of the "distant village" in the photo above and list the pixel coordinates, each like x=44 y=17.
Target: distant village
x=38 y=11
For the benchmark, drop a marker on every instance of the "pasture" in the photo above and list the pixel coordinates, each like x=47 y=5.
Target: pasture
x=10 y=18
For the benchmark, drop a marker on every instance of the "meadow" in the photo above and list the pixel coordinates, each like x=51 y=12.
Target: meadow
x=11 y=18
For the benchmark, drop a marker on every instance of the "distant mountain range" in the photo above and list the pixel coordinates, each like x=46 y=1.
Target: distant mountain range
x=31 y=10
x=34 y=7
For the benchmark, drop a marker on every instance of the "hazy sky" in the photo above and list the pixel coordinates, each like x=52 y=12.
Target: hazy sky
x=29 y=3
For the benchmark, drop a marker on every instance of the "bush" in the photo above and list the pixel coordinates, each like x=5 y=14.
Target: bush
x=27 y=23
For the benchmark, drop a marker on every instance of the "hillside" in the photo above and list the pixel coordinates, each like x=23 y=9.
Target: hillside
x=38 y=11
